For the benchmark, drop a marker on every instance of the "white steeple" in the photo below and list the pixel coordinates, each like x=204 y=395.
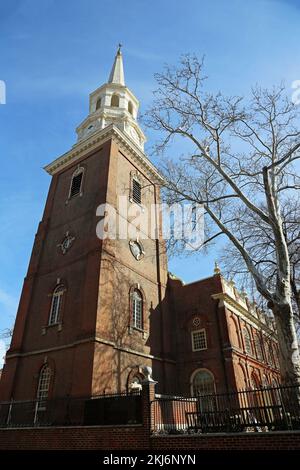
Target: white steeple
x=117 y=71
x=113 y=103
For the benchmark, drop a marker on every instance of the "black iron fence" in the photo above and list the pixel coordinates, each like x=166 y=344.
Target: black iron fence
x=261 y=410
x=114 y=409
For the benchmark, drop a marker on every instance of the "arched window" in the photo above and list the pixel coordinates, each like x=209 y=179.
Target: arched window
x=137 y=310
x=115 y=101
x=269 y=351
x=275 y=382
x=258 y=348
x=276 y=356
x=235 y=332
x=56 y=304
x=265 y=381
x=243 y=378
x=43 y=385
x=255 y=382
x=202 y=382
x=135 y=384
x=98 y=103
x=76 y=182
x=130 y=107
x=42 y=392
x=247 y=340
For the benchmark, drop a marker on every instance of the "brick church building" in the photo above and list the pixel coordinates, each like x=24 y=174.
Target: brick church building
x=94 y=312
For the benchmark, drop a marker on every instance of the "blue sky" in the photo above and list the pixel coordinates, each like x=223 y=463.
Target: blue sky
x=54 y=53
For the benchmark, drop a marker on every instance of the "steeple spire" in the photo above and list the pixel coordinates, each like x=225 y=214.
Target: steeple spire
x=117 y=71
x=113 y=104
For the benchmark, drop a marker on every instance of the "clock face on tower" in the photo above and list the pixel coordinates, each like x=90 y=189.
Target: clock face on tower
x=136 y=249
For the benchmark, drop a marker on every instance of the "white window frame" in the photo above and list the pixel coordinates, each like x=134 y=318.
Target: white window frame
x=202 y=330
x=57 y=297
x=134 y=175
x=77 y=172
x=42 y=394
x=134 y=315
x=192 y=380
x=136 y=180
x=247 y=341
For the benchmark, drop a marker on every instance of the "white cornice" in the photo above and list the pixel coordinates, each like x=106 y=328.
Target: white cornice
x=107 y=113
x=97 y=139
x=237 y=308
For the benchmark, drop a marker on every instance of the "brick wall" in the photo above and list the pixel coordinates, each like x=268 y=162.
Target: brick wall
x=81 y=438
x=241 y=441
x=137 y=438
x=171 y=413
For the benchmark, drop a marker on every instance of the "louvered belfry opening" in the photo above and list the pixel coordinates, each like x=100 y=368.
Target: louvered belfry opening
x=136 y=191
x=76 y=185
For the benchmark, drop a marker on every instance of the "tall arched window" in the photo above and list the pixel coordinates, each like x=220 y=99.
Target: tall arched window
x=56 y=304
x=255 y=382
x=276 y=356
x=269 y=352
x=76 y=182
x=258 y=348
x=42 y=392
x=130 y=107
x=247 y=340
x=137 y=309
x=243 y=378
x=235 y=332
x=43 y=385
x=115 y=101
x=202 y=382
x=265 y=381
x=98 y=103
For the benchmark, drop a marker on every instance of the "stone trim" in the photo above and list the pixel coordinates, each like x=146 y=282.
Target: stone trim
x=93 y=142
x=88 y=340
x=234 y=306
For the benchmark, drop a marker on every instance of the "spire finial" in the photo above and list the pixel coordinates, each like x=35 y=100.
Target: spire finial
x=217 y=269
x=117 y=71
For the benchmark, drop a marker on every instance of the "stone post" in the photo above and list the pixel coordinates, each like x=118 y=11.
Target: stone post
x=148 y=395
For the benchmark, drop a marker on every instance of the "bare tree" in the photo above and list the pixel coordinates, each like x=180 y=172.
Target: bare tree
x=263 y=250
x=6 y=333
x=239 y=165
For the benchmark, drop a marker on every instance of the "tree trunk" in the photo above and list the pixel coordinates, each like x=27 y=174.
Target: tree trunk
x=296 y=294
x=289 y=357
